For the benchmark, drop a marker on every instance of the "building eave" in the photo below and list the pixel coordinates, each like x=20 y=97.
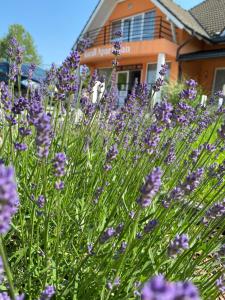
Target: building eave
x=200 y=55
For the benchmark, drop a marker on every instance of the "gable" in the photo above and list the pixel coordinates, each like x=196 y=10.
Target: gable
x=181 y=18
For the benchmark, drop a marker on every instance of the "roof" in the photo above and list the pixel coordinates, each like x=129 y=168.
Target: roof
x=184 y=16
x=218 y=53
x=211 y=16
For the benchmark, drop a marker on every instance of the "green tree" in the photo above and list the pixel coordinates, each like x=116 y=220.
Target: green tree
x=25 y=40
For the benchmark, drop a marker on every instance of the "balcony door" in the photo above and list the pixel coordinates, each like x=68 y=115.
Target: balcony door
x=122 y=84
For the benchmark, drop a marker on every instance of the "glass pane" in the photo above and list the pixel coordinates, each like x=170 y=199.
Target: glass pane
x=219 y=81
x=149 y=25
x=126 y=30
x=116 y=26
x=122 y=81
x=151 y=74
x=137 y=28
x=104 y=74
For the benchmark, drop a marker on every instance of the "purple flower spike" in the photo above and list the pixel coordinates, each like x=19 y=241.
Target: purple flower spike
x=150 y=226
x=25 y=131
x=112 y=153
x=158 y=289
x=180 y=243
x=59 y=163
x=109 y=233
x=220 y=283
x=41 y=201
x=8 y=197
x=48 y=293
x=151 y=187
x=43 y=138
x=20 y=147
x=192 y=181
x=59 y=185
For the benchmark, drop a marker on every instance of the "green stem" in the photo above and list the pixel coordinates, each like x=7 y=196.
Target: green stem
x=7 y=269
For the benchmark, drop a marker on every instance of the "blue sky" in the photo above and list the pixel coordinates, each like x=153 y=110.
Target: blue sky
x=54 y=24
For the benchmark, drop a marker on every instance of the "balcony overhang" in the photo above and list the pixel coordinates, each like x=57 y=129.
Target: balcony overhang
x=130 y=50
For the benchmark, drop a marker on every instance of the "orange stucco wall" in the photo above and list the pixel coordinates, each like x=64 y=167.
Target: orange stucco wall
x=203 y=71
x=144 y=52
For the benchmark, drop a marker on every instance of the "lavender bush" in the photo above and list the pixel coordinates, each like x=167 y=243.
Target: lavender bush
x=105 y=203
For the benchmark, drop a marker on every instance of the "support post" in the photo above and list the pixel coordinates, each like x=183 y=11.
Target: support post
x=161 y=61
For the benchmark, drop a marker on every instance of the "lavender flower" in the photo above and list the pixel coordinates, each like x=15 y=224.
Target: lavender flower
x=59 y=185
x=48 y=293
x=186 y=291
x=2 y=271
x=109 y=233
x=116 y=48
x=15 y=51
x=111 y=155
x=8 y=197
x=111 y=285
x=216 y=210
x=150 y=226
x=171 y=157
x=119 y=228
x=220 y=283
x=35 y=109
x=43 y=138
x=90 y=248
x=160 y=81
x=20 y=147
x=5 y=97
x=163 y=112
x=25 y=131
x=159 y=289
x=190 y=93
x=59 y=163
x=195 y=154
x=192 y=181
x=123 y=247
x=31 y=70
x=41 y=201
x=180 y=243
x=151 y=187
x=84 y=44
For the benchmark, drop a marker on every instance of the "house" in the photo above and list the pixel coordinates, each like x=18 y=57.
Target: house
x=191 y=42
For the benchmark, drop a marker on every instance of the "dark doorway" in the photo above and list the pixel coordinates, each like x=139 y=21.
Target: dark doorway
x=135 y=78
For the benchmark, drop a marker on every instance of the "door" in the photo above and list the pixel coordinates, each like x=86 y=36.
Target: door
x=219 y=80
x=135 y=79
x=122 y=84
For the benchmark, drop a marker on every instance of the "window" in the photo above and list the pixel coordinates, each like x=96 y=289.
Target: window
x=149 y=25
x=105 y=73
x=136 y=28
x=219 y=80
x=126 y=30
x=116 y=26
x=152 y=76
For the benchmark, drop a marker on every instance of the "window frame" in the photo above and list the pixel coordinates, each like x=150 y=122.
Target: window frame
x=155 y=63
x=214 y=79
